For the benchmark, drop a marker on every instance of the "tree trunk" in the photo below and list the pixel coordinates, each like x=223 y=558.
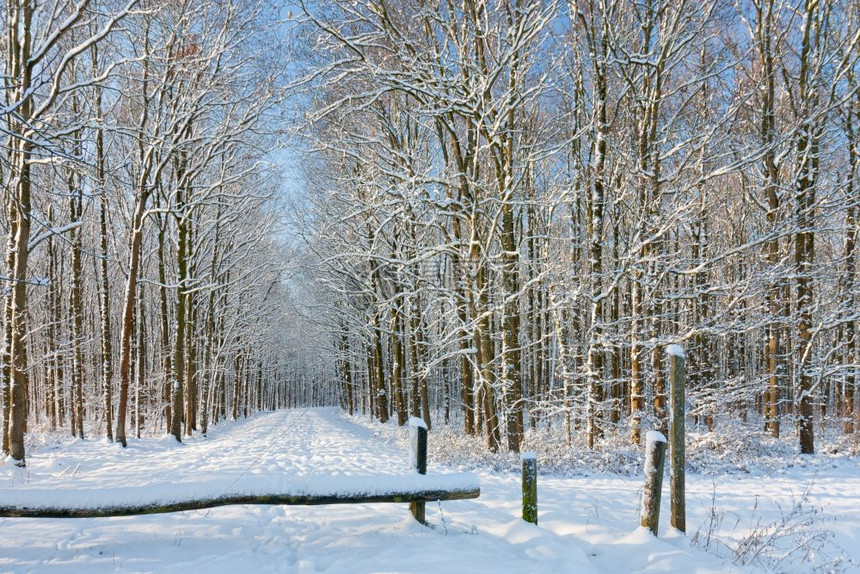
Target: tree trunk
x=104 y=303
x=850 y=273
x=380 y=393
x=775 y=361
x=178 y=390
x=594 y=228
x=141 y=199
x=19 y=206
x=166 y=347
x=76 y=305
x=804 y=241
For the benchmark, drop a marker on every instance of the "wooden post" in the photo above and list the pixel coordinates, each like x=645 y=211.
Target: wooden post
x=530 y=508
x=655 y=458
x=677 y=383
x=418 y=459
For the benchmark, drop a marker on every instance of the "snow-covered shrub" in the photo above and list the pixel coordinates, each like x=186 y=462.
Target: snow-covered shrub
x=797 y=535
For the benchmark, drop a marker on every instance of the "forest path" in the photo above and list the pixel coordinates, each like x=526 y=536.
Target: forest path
x=268 y=451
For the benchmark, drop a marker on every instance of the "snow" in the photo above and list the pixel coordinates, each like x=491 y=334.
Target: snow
x=588 y=523
x=654 y=436
x=529 y=455
x=675 y=351
x=416 y=422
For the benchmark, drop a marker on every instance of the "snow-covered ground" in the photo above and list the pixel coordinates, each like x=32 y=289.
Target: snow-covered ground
x=798 y=519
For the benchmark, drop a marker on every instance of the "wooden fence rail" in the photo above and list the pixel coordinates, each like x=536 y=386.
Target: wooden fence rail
x=430 y=495
x=355 y=490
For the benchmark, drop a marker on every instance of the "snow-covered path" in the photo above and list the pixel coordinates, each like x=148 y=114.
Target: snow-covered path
x=586 y=524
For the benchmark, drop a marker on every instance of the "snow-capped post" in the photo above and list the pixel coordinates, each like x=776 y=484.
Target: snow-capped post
x=677 y=384
x=530 y=487
x=655 y=458
x=418 y=459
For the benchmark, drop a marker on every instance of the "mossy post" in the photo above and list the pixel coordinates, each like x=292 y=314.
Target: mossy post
x=655 y=458
x=530 y=509
x=418 y=459
x=677 y=383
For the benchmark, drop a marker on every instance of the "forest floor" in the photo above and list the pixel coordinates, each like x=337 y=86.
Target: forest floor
x=802 y=516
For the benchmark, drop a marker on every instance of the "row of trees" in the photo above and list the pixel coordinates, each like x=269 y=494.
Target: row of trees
x=514 y=205
x=144 y=285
